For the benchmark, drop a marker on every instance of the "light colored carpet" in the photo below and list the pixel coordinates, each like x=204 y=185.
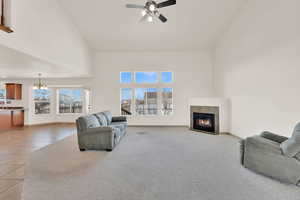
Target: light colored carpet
x=150 y=164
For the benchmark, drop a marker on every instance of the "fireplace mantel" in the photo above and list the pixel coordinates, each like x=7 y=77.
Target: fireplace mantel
x=223 y=105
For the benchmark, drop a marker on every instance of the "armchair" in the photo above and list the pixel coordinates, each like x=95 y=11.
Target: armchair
x=273 y=155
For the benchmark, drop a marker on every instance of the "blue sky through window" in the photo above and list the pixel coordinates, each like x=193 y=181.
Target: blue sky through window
x=139 y=93
x=166 y=77
x=126 y=77
x=143 y=78
x=126 y=93
x=146 y=77
x=42 y=94
x=76 y=95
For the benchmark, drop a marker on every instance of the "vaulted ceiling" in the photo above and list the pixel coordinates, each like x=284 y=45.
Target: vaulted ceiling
x=193 y=24
x=15 y=64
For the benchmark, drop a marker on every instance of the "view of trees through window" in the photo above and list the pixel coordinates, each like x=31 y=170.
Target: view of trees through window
x=167 y=101
x=42 y=101
x=70 y=100
x=151 y=100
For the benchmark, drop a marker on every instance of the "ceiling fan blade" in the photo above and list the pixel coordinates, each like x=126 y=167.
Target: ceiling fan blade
x=162 y=18
x=166 y=3
x=134 y=6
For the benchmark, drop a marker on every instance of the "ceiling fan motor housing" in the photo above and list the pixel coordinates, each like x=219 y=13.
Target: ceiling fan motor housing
x=150 y=4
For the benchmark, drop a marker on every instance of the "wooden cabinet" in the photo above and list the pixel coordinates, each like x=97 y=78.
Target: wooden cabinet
x=17 y=118
x=5 y=120
x=13 y=91
x=11 y=119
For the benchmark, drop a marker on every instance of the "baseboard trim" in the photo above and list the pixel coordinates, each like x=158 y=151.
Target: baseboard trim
x=158 y=126
x=50 y=123
x=230 y=134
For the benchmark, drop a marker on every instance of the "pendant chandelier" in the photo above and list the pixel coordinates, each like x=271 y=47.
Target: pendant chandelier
x=39 y=85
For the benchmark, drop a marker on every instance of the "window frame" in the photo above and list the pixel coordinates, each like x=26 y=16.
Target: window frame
x=132 y=77
x=155 y=83
x=132 y=99
x=160 y=74
x=172 y=100
x=159 y=86
x=83 y=101
x=157 y=102
x=40 y=101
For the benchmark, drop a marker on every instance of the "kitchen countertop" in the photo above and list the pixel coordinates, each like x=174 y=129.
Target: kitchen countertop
x=11 y=108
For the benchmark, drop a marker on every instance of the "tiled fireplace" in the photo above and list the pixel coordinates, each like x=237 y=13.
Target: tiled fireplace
x=209 y=115
x=205 y=119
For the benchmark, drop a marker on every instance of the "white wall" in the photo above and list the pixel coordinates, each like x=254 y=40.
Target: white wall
x=192 y=78
x=257 y=66
x=43 y=30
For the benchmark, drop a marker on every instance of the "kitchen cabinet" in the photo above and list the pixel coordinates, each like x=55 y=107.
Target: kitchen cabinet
x=13 y=91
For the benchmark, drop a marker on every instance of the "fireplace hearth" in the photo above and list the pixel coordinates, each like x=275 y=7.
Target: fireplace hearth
x=205 y=119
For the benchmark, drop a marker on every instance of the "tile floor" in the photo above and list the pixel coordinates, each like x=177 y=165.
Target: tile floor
x=16 y=146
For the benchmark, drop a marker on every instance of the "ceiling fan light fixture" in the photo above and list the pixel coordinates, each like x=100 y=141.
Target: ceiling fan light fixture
x=150 y=19
x=152 y=9
x=144 y=12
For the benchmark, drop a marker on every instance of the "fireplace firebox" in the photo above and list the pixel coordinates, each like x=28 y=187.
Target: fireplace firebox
x=204 y=122
x=205 y=119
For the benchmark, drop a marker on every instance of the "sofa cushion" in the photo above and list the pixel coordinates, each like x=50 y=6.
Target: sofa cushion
x=91 y=121
x=291 y=147
x=108 y=116
x=102 y=119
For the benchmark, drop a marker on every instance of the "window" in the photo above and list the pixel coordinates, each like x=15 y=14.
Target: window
x=146 y=77
x=146 y=101
x=166 y=77
x=2 y=94
x=167 y=101
x=153 y=100
x=126 y=101
x=42 y=101
x=70 y=100
x=125 y=77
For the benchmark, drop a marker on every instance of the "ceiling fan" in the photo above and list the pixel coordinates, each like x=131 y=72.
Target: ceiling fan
x=151 y=9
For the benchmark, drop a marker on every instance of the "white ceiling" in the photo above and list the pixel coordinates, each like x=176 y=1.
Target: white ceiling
x=193 y=24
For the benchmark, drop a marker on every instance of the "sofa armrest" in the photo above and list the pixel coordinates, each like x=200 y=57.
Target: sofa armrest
x=119 y=119
x=102 y=129
x=97 y=138
x=273 y=137
x=263 y=145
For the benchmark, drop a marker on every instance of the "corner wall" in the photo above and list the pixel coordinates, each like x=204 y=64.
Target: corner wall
x=192 y=78
x=257 y=66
